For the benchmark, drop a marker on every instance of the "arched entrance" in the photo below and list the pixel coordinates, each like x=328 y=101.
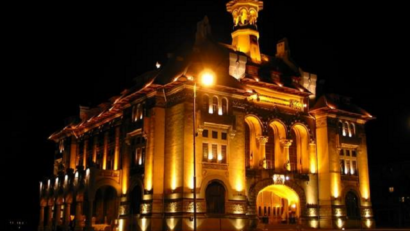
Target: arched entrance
x=105 y=205
x=352 y=206
x=135 y=200
x=215 y=198
x=278 y=204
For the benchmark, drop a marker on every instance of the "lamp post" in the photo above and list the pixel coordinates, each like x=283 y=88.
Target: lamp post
x=207 y=79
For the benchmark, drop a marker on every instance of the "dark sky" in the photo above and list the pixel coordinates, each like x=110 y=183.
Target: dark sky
x=61 y=56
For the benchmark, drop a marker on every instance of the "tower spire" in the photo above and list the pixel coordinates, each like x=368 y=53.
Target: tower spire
x=245 y=36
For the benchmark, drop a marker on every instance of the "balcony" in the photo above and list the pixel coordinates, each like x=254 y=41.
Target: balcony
x=268 y=173
x=350 y=177
x=217 y=119
x=350 y=140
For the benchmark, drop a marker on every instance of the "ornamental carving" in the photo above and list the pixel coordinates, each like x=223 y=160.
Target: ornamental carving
x=173 y=207
x=238 y=209
x=296 y=105
x=146 y=208
x=245 y=16
x=189 y=207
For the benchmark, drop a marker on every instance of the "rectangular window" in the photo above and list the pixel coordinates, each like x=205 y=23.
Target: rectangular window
x=214 y=152
x=137 y=157
x=205 y=151
x=214 y=135
x=354 y=168
x=224 y=136
x=347 y=152
x=347 y=169
x=205 y=133
x=341 y=152
x=223 y=154
x=354 y=153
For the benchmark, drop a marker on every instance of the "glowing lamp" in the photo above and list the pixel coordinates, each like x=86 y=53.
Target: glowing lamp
x=207 y=79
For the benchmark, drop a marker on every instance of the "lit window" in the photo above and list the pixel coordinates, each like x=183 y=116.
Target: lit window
x=352 y=129
x=391 y=189
x=214 y=105
x=403 y=199
x=347 y=170
x=354 y=168
x=214 y=152
x=205 y=151
x=222 y=158
x=224 y=106
x=348 y=160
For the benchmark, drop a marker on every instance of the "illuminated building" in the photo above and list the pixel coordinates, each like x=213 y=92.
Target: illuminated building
x=261 y=149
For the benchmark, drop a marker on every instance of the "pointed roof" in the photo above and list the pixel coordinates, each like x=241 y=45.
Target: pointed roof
x=340 y=105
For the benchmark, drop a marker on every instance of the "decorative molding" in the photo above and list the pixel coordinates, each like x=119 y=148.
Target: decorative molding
x=214 y=166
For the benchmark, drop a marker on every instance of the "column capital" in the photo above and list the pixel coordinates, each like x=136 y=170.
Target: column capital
x=286 y=142
x=263 y=139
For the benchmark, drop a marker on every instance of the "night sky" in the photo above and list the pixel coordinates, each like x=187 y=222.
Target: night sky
x=63 y=56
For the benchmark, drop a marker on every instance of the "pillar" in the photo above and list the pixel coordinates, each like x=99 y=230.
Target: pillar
x=85 y=154
x=117 y=148
x=67 y=216
x=89 y=216
x=105 y=154
x=57 y=215
x=49 y=223
x=262 y=148
x=95 y=146
x=286 y=144
x=73 y=153
x=41 y=220
x=78 y=215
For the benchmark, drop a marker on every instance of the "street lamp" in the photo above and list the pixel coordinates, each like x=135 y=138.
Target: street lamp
x=207 y=79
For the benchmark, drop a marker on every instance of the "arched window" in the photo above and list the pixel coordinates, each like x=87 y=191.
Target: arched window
x=224 y=106
x=214 y=105
x=205 y=102
x=352 y=206
x=340 y=126
x=215 y=198
x=136 y=196
x=348 y=131
x=345 y=129
x=353 y=129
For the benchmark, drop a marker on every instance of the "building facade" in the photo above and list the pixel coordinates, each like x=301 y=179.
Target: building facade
x=222 y=137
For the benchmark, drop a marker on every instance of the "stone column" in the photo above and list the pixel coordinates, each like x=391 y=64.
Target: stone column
x=89 y=216
x=57 y=215
x=41 y=221
x=312 y=158
x=95 y=146
x=67 y=216
x=286 y=144
x=78 y=215
x=49 y=224
x=85 y=154
x=117 y=148
x=105 y=154
x=262 y=148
